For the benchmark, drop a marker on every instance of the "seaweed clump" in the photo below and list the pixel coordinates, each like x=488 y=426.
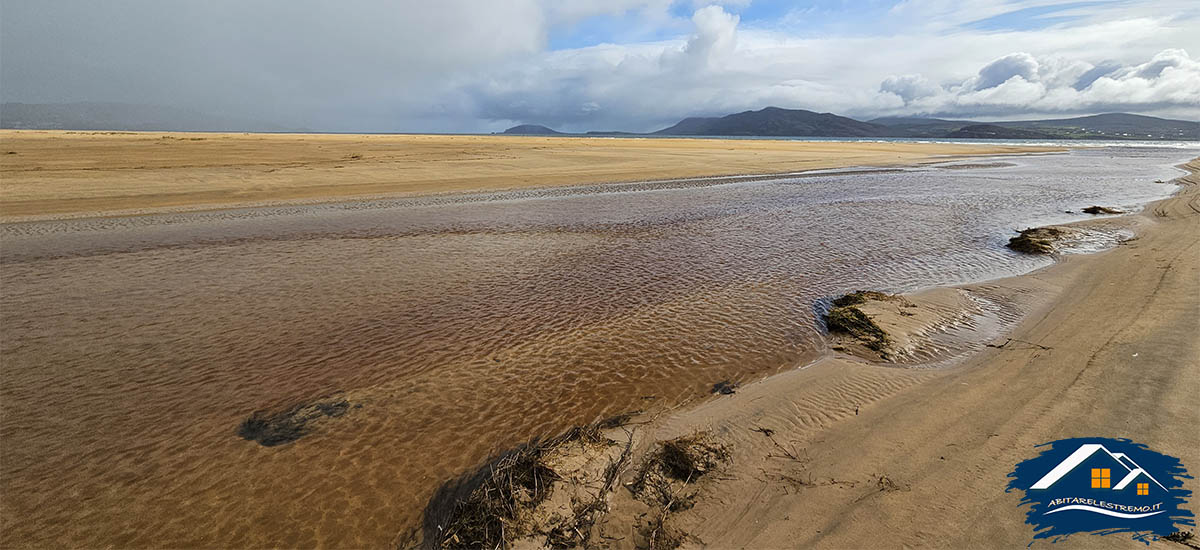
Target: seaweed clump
x=495 y=495
x=850 y=320
x=681 y=460
x=484 y=509
x=860 y=297
x=724 y=387
x=271 y=429
x=688 y=458
x=1102 y=210
x=667 y=480
x=1182 y=537
x=1037 y=240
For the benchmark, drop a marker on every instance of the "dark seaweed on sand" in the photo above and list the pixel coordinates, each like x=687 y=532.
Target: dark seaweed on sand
x=471 y=511
x=851 y=320
x=1038 y=240
x=666 y=478
x=688 y=458
x=724 y=387
x=859 y=297
x=271 y=429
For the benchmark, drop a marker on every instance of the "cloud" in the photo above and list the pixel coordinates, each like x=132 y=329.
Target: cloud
x=909 y=87
x=696 y=4
x=1022 y=83
x=462 y=65
x=1104 y=68
x=1004 y=69
x=357 y=64
x=722 y=68
x=716 y=35
x=611 y=84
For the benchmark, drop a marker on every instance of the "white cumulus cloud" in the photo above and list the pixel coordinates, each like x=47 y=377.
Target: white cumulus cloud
x=1020 y=82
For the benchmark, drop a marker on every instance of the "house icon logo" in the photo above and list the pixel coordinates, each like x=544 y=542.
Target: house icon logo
x=1102 y=486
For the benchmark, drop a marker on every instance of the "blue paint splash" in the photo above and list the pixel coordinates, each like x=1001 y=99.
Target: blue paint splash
x=1163 y=470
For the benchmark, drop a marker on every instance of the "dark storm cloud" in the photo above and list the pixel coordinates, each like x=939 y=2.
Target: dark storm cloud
x=340 y=65
x=467 y=65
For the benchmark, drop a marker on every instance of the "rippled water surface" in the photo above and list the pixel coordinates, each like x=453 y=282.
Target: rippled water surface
x=133 y=348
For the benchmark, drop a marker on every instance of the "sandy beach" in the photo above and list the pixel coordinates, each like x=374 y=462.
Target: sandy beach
x=1112 y=350
x=422 y=336
x=849 y=454
x=50 y=174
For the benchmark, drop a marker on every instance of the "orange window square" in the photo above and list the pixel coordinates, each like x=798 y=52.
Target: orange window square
x=1101 y=478
x=1143 y=488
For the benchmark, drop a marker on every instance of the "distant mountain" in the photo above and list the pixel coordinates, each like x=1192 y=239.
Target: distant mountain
x=991 y=131
x=774 y=121
x=921 y=127
x=531 y=130
x=1113 y=126
x=1105 y=126
x=767 y=122
x=122 y=116
x=912 y=121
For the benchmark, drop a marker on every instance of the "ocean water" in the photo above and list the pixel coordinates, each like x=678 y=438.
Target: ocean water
x=1130 y=143
x=132 y=348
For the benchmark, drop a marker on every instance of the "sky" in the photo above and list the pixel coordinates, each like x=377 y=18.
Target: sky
x=576 y=65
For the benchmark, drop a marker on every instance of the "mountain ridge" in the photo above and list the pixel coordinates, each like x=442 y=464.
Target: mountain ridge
x=765 y=122
x=776 y=121
x=531 y=130
x=780 y=122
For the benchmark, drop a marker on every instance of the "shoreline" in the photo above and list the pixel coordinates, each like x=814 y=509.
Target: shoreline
x=843 y=452
x=51 y=175
x=853 y=381
x=698 y=181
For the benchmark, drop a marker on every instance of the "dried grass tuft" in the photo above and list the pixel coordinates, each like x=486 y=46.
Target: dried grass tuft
x=480 y=509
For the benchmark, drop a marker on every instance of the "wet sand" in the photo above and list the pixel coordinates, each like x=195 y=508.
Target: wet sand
x=49 y=174
x=403 y=313
x=1109 y=346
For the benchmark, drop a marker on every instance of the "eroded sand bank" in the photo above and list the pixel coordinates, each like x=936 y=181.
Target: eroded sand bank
x=61 y=174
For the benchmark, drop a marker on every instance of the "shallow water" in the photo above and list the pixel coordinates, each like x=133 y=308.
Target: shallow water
x=133 y=347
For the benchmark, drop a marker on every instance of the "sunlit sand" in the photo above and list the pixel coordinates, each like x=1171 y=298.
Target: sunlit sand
x=55 y=173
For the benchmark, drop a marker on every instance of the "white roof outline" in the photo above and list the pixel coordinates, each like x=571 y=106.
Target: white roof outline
x=1133 y=474
x=1083 y=453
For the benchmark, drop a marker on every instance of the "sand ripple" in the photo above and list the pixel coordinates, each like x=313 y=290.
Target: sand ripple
x=134 y=347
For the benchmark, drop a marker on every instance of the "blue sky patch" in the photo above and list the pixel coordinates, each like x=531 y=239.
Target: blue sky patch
x=1037 y=17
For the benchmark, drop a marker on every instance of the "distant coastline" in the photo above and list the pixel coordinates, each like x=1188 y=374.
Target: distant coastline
x=766 y=123
x=777 y=122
